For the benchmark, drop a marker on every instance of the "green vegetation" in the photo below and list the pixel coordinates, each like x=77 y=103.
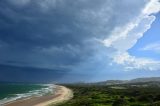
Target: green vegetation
x=94 y=95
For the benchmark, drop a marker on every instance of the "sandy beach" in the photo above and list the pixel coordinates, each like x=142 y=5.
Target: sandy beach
x=62 y=94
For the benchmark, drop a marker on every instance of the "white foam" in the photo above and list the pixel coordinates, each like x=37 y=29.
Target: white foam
x=36 y=93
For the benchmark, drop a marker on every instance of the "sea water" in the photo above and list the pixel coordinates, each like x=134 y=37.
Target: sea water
x=12 y=91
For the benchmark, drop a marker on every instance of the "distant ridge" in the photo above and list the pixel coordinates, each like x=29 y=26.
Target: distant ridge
x=147 y=79
x=112 y=82
x=136 y=80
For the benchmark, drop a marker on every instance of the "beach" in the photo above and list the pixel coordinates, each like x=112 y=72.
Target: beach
x=61 y=94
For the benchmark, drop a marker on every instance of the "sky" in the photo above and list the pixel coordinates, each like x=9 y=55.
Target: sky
x=149 y=45
x=79 y=40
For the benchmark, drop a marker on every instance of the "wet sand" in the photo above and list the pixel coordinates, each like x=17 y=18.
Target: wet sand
x=62 y=94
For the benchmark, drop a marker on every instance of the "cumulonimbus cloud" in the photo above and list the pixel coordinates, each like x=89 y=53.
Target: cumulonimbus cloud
x=74 y=34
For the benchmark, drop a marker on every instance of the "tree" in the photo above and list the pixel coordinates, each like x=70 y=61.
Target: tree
x=120 y=102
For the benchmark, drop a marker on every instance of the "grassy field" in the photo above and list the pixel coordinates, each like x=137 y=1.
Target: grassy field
x=124 y=95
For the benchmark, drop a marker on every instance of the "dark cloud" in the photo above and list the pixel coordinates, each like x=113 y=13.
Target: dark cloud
x=30 y=74
x=58 y=33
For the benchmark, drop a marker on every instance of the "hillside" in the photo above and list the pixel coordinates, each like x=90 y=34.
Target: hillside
x=137 y=80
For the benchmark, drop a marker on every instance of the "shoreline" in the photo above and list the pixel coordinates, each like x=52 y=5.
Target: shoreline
x=61 y=94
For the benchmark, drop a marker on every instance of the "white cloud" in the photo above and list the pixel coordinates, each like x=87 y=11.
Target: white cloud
x=125 y=37
x=152 y=7
x=152 y=47
x=131 y=62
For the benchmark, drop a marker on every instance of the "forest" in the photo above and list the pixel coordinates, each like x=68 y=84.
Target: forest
x=139 y=94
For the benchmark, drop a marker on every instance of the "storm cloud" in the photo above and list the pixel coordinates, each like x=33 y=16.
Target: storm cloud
x=62 y=34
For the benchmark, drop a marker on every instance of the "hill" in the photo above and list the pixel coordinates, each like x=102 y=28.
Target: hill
x=132 y=81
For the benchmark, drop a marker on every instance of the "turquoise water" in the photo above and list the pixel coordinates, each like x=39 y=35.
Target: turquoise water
x=10 y=91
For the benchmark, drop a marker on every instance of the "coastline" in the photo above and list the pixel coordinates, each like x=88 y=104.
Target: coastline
x=61 y=94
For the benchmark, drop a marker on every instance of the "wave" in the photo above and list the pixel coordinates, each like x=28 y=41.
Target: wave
x=49 y=89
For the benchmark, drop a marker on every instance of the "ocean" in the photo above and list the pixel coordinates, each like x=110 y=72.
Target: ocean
x=13 y=91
